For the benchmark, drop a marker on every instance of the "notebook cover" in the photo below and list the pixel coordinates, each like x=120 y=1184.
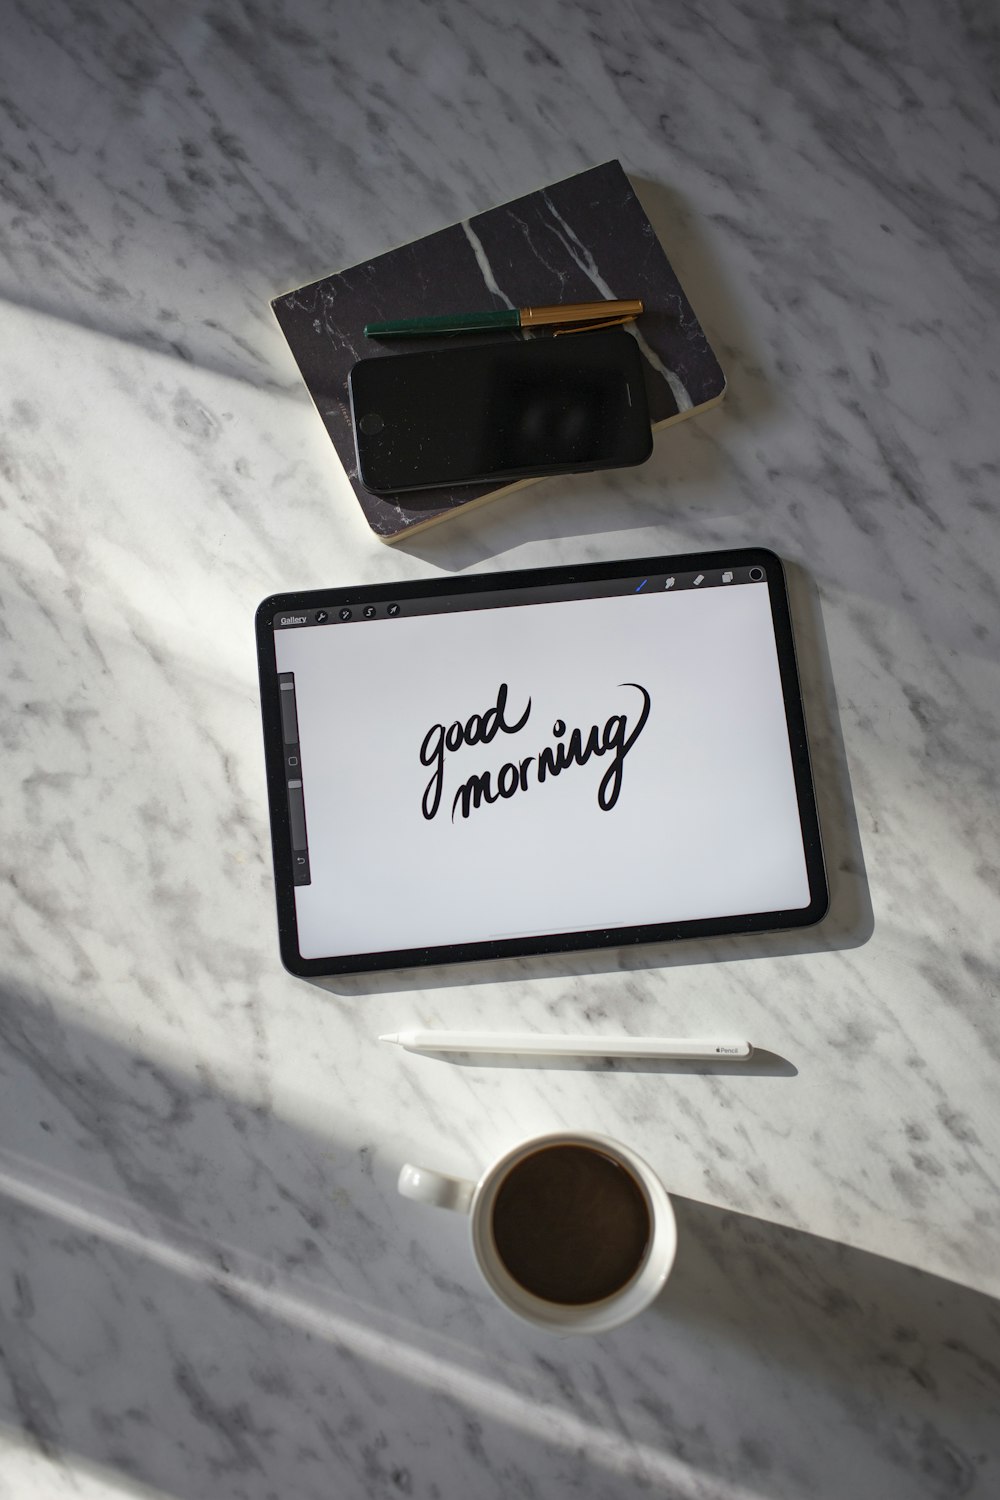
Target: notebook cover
x=580 y=239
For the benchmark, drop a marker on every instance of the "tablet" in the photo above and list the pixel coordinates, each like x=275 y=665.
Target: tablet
x=534 y=762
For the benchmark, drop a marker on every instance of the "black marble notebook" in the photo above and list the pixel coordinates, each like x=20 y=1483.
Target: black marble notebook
x=579 y=240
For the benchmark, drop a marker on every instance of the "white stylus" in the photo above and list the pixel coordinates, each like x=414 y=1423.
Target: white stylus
x=536 y=1044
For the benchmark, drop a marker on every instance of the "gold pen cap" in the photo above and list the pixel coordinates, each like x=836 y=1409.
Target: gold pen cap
x=580 y=312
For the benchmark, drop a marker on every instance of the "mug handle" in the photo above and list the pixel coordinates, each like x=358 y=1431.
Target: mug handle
x=425 y=1186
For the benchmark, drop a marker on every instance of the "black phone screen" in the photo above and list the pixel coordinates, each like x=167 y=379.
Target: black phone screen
x=500 y=410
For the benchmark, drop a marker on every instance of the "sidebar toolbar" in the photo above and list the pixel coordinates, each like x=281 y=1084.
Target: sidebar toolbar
x=293 y=778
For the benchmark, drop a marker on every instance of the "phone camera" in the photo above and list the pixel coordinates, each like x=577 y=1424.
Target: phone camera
x=756 y=575
x=371 y=423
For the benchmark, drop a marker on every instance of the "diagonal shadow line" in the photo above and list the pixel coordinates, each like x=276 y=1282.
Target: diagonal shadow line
x=251 y=371
x=227 y=1320
x=914 y=1359
x=406 y=1352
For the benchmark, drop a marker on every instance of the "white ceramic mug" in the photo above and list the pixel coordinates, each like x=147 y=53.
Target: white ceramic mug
x=477 y=1199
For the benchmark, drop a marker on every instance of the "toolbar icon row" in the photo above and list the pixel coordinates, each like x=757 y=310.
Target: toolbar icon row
x=369 y=612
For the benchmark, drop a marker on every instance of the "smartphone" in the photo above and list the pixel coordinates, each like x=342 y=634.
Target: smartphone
x=500 y=410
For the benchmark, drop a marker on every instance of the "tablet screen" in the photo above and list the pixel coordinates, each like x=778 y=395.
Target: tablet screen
x=507 y=766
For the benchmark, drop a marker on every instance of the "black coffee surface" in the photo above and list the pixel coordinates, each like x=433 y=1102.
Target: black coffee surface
x=570 y=1224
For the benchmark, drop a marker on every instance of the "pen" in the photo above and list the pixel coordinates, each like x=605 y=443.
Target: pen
x=536 y=1044
x=598 y=313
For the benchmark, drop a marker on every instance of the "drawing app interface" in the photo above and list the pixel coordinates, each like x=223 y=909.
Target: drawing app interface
x=483 y=767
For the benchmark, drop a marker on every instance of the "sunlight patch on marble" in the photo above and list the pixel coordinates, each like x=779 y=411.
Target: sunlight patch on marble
x=26 y=1473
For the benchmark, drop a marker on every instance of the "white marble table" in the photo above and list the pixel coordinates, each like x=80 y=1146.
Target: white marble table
x=208 y=1287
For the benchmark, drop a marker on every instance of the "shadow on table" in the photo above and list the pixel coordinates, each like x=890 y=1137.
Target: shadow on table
x=760 y=1064
x=879 y=1378
x=204 y=1298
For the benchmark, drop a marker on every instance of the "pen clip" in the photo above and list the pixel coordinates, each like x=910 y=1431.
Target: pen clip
x=592 y=327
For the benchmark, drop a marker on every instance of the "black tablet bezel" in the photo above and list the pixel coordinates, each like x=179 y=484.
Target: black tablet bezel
x=534 y=578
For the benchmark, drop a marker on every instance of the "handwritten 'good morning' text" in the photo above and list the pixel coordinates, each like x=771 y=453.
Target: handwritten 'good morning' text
x=614 y=738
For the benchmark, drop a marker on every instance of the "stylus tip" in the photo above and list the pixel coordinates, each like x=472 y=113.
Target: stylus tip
x=390 y=1036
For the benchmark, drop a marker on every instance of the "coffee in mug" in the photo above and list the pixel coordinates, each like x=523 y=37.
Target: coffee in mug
x=571 y=1224
x=573 y=1232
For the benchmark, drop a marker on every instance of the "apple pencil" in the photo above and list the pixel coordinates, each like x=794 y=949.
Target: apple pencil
x=536 y=1044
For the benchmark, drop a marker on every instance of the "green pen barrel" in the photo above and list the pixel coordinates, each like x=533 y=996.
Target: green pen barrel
x=408 y=328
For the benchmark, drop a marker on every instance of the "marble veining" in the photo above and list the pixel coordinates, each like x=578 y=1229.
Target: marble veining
x=208 y=1286
x=583 y=258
